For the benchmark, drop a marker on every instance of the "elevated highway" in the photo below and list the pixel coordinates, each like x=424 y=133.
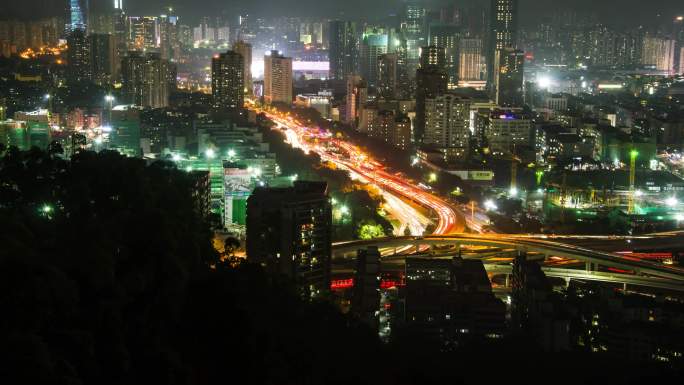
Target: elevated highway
x=640 y=272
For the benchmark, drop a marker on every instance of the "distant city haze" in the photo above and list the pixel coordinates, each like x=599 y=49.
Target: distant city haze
x=611 y=11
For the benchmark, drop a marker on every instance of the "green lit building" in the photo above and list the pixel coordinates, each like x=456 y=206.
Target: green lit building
x=125 y=132
x=215 y=168
x=38 y=134
x=14 y=134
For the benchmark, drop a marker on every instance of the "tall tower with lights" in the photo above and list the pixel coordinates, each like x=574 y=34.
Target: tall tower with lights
x=503 y=30
x=78 y=10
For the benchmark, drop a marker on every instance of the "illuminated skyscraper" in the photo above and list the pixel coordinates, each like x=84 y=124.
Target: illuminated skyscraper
x=508 y=79
x=472 y=65
x=118 y=4
x=503 y=29
x=79 y=56
x=374 y=44
x=660 y=53
x=227 y=80
x=413 y=26
x=344 y=49
x=277 y=78
x=78 y=9
x=447 y=37
x=432 y=56
x=387 y=75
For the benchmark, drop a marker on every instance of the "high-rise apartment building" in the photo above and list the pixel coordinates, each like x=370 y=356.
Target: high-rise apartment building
x=142 y=33
x=446 y=125
x=227 y=80
x=104 y=58
x=79 y=56
x=430 y=82
x=289 y=231
x=343 y=49
x=245 y=49
x=277 y=78
x=147 y=79
x=357 y=95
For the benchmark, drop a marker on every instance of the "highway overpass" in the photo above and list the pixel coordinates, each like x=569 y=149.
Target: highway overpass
x=661 y=274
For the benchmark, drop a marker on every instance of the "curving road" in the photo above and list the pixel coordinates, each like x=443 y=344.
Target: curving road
x=349 y=157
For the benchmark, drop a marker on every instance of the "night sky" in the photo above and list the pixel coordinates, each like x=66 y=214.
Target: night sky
x=622 y=11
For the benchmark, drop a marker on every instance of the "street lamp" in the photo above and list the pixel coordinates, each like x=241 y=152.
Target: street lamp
x=490 y=205
x=210 y=153
x=671 y=201
x=432 y=177
x=513 y=192
x=231 y=153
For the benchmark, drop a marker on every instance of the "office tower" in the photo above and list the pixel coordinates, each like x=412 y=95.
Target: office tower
x=120 y=30
x=78 y=56
x=432 y=56
x=277 y=78
x=472 y=64
x=357 y=95
x=447 y=37
x=227 y=80
x=508 y=79
x=147 y=79
x=104 y=58
x=118 y=4
x=413 y=25
x=289 y=231
x=78 y=11
x=374 y=44
x=387 y=75
x=245 y=49
x=507 y=130
x=659 y=53
x=343 y=49
x=681 y=61
x=430 y=82
x=503 y=30
x=446 y=126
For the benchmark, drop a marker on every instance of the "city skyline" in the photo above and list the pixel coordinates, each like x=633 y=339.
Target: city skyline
x=610 y=11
